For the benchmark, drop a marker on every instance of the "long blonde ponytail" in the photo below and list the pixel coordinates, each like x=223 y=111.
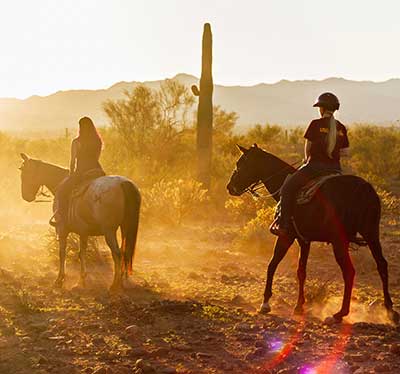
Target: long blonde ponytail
x=332 y=133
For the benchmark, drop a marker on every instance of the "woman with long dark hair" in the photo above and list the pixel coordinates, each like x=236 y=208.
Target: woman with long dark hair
x=85 y=153
x=326 y=139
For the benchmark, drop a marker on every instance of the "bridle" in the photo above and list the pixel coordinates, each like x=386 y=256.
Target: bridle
x=256 y=186
x=42 y=192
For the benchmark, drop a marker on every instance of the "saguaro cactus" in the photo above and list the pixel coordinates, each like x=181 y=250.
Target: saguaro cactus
x=205 y=111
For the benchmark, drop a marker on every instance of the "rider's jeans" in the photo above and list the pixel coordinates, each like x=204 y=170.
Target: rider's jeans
x=295 y=182
x=63 y=193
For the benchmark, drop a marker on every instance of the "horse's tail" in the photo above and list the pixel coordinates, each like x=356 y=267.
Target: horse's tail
x=130 y=224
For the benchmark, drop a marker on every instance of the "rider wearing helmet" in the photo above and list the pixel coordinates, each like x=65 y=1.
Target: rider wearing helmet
x=326 y=138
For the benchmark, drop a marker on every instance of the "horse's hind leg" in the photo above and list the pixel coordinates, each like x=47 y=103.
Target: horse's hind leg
x=112 y=242
x=382 y=266
x=301 y=275
x=83 y=243
x=62 y=243
x=342 y=256
x=282 y=245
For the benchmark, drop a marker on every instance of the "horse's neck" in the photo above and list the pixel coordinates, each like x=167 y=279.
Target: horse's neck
x=52 y=176
x=275 y=173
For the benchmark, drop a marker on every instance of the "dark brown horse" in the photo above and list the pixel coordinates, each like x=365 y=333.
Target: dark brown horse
x=343 y=206
x=109 y=203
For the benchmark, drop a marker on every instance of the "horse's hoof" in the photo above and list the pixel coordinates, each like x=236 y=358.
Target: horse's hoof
x=338 y=318
x=298 y=311
x=264 y=308
x=78 y=287
x=128 y=284
x=58 y=283
x=115 y=289
x=330 y=321
x=393 y=316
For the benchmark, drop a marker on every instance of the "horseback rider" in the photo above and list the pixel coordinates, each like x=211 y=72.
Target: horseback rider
x=85 y=153
x=326 y=140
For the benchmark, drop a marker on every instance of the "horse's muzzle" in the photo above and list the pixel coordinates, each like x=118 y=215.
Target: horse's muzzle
x=29 y=199
x=232 y=190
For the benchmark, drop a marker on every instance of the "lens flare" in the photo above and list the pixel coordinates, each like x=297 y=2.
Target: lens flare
x=276 y=345
x=307 y=370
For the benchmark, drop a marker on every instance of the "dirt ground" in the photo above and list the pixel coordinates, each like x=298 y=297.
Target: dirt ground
x=191 y=308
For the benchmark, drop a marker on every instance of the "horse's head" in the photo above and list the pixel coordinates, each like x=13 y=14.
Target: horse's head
x=30 y=178
x=247 y=171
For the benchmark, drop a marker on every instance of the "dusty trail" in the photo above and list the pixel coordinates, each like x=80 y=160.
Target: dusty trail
x=191 y=308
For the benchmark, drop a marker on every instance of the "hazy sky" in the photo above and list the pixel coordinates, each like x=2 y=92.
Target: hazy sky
x=56 y=45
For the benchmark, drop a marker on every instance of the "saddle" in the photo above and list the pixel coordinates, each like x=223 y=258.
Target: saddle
x=304 y=196
x=306 y=193
x=85 y=181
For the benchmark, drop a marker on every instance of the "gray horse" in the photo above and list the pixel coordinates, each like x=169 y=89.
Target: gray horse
x=109 y=203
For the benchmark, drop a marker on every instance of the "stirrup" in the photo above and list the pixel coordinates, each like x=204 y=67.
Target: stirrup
x=53 y=221
x=277 y=230
x=273 y=226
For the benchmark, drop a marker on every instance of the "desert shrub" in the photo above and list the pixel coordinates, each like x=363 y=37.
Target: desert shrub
x=375 y=150
x=92 y=252
x=375 y=180
x=255 y=233
x=173 y=201
x=390 y=202
x=245 y=207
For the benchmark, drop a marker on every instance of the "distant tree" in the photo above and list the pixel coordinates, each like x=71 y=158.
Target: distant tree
x=265 y=134
x=149 y=118
x=224 y=144
x=375 y=150
x=224 y=121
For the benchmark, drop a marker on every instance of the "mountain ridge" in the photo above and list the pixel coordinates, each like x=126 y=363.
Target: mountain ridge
x=285 y=102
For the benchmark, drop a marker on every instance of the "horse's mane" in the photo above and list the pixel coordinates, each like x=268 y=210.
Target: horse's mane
x=276 y=160
x=51 y=166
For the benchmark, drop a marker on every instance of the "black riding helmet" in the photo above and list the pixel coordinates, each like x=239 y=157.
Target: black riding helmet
x=328 y=101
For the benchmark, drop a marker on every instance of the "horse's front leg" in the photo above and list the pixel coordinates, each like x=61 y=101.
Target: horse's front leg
x=301 y=275
x=112 y=242
x=282 y=245
x=62 y=243
x=83 y=243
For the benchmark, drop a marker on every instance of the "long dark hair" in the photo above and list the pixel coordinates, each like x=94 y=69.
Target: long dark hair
x=88 y=133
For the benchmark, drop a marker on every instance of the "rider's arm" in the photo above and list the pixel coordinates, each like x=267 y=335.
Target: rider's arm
x=310 y=136
x=72 y=163
x=307 y=148
x=345 y=152
x=344 y=149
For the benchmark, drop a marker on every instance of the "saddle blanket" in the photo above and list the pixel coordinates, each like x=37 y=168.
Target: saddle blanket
x=306 y=193
x=85 y=180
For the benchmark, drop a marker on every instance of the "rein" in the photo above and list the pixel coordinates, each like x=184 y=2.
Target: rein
x=43 y=193
x=252 y=190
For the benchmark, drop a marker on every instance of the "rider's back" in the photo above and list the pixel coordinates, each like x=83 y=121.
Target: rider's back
x=88 y=154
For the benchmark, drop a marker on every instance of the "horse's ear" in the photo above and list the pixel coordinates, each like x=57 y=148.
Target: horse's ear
x=24 y=157
x=242 y=149
x=255 y=145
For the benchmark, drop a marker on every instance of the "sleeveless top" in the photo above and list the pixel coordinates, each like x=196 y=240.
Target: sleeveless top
x=87 y=157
